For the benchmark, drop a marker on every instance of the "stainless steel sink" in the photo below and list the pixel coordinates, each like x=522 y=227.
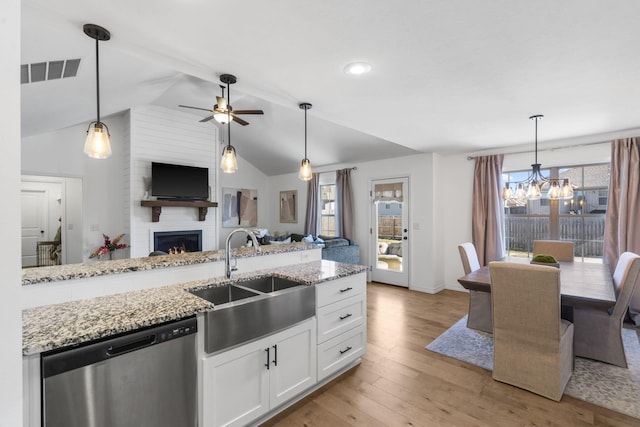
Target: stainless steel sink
x=219 y=295
x=269 y=284
x=244 y=311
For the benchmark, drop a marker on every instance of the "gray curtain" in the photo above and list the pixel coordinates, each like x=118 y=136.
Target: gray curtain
x=622 y=227
x=311 y=218
x=344 y=204
x=487 y=225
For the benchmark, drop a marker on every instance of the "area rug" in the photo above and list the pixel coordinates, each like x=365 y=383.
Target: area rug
x=595 y=382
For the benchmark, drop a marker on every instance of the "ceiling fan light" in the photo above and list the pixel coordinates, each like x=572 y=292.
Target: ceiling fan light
x=229 y=163
x=305 y=170
x=222 y=118
x=98 y=144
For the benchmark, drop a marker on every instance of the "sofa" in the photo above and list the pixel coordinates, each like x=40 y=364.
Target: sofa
x=335 y=248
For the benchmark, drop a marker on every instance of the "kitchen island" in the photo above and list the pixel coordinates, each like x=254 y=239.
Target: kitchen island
x=73 y=323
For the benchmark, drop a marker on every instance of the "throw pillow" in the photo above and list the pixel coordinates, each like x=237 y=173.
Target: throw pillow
x=382 y=248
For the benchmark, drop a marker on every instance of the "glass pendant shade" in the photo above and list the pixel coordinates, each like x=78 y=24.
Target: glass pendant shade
x=567 y=190
x=305 y=170
x=533 y=191
x=229 y=163
x=554 y=191
x=97 y=145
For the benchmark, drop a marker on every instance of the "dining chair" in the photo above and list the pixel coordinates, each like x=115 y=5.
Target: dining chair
x=479 y=316
x=561 y=250
x=598 y=331
x=533 y=346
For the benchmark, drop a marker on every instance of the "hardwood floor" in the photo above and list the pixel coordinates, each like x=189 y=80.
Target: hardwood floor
x=400 y=383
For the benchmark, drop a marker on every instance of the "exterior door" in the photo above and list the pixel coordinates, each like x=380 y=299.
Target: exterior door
x=390 y=231
x=34 y=223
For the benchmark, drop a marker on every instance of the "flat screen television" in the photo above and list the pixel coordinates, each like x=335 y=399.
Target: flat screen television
x=178 y=182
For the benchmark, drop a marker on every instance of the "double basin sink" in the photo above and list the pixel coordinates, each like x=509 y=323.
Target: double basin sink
x=247 y=310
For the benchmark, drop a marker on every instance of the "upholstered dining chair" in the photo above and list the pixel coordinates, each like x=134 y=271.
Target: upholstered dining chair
x=533 y=346
x=479 y=316
x=561 y=250
x=598 y=331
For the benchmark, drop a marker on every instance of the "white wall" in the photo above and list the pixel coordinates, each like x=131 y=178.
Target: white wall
x=10 y=315
x=59 y=153
x=249 y=177
x=424 y=274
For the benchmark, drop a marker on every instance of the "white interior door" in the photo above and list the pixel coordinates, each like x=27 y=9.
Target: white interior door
x=390 y=231
x=34 y=223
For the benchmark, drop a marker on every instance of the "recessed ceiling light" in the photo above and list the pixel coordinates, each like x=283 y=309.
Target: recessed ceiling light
x=357 y=68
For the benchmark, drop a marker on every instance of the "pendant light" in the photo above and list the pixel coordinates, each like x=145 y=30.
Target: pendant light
x=97 y=145
x=229 y=163
x=305 y=166
x=533 y=187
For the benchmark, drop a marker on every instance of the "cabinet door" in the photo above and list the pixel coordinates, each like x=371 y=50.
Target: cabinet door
x=236 y=385
x=293 y=362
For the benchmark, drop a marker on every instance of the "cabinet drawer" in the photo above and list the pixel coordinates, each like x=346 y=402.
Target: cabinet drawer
x=336 y=318
x=336 y=290
x=338 y=352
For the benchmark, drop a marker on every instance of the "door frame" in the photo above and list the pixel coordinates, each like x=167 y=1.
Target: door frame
x=390 y=277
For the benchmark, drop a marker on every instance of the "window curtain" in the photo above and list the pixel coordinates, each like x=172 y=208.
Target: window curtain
x=311 y=218
x=622 y=228
x=487 y=225
x=344 y=204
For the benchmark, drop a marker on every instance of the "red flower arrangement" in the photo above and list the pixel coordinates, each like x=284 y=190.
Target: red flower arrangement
x=109 y=246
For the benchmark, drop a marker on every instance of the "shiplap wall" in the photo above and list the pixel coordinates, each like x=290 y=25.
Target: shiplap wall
x=162 y=135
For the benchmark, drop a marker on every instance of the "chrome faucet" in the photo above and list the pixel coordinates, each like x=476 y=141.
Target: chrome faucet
x=227 y=255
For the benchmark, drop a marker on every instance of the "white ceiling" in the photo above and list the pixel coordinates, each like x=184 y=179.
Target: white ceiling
x=457 y=75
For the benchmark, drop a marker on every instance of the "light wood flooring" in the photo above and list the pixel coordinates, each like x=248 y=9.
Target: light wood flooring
x=400 y=383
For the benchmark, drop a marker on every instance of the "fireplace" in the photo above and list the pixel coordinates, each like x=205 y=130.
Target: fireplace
x=177 y=241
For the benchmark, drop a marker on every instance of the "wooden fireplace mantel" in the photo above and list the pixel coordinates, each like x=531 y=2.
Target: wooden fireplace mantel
x=157 y=205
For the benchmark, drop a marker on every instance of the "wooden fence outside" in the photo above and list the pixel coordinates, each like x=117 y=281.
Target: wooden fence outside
x=585 y=231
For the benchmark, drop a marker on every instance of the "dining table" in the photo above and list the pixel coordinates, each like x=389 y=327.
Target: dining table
x=581 y=283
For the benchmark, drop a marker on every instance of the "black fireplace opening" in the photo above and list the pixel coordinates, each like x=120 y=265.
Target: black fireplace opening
x=177 y=241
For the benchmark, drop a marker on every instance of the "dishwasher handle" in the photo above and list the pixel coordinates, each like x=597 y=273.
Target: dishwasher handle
x=137 y=344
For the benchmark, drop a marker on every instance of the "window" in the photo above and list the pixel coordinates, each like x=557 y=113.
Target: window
x=580 y=219
x=328 y=209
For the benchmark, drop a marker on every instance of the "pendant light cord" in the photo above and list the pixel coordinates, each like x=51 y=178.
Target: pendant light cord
x=98 y=79
x=305 y=133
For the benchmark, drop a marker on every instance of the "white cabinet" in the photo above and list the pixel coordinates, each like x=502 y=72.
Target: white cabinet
x=246 y=382
x=342 y=320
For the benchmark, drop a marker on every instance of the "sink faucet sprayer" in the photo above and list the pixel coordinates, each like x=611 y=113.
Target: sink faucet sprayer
x=227 y=255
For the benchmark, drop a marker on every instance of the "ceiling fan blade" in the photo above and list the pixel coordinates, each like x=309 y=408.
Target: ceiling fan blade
x=239 y=120
x=248 y=112
x=206 y=119
x=195 y=108
x=222 y=103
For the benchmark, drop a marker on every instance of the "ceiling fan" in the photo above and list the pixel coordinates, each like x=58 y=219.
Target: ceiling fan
x=222 y=111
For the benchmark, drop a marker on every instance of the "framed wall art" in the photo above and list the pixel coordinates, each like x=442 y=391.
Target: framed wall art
x=289 y=206
x=239 y=207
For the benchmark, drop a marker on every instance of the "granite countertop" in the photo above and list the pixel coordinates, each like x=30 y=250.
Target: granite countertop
x=55 y=326
x=56 y=273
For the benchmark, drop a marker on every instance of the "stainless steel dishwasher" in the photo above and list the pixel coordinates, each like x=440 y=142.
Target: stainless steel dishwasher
x=145 y=378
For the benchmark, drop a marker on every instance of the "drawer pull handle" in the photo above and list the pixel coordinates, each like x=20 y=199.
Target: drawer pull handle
x=346 y=316
x=345 y=350
x=345 y=289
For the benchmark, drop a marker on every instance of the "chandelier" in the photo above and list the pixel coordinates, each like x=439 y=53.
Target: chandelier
x=519 y=192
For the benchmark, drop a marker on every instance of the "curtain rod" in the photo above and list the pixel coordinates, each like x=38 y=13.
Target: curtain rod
x=336 y=170
x=546 y=149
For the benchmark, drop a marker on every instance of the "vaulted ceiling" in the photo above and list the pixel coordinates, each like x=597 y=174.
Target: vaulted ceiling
x=447 y=76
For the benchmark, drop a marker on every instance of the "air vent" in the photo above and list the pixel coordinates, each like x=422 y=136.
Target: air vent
x=40 y=71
